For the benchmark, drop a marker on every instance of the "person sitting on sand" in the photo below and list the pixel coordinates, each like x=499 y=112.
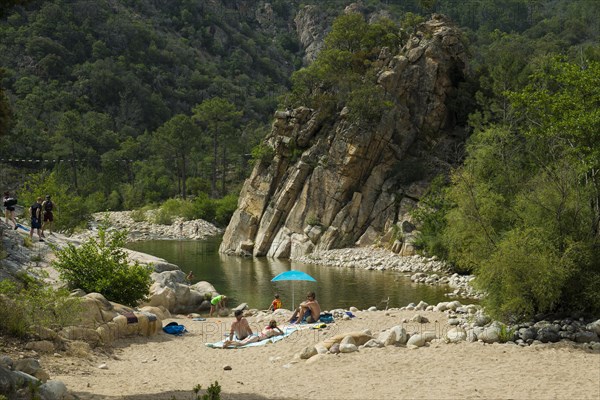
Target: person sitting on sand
x=276 y=304
x=309 y=310
x=240 y=328
x=217 y=303
x=270 y=331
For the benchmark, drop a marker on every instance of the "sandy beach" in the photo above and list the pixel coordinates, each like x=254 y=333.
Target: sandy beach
x=167 y=367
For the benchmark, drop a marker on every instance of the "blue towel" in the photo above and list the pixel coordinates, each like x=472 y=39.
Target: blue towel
x=286 y=332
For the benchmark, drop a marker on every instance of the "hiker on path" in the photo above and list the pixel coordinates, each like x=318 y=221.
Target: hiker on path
x=9 y=209
x=35 y=212
x=47 y=207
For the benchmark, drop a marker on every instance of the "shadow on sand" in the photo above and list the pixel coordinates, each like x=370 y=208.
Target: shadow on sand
x=170 y=395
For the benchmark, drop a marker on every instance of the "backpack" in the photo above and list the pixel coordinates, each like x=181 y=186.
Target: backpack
x=9 y=202
x=173 y=328
x=48 y=206
x=326 y=318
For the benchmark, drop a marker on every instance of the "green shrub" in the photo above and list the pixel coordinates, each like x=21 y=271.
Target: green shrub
x=312 y=220
x=204 y=207
x=138 y=215
x=161 y=217
x=28 y=303
x=213 y=392
x=225 y=208
x=262 y=153
x=101 y=265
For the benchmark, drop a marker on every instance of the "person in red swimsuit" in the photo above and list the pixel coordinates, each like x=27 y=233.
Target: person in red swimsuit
x=276 y=304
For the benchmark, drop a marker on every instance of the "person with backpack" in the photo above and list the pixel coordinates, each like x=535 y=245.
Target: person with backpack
x=47 y=207
x=9 y=209
x=35 y=211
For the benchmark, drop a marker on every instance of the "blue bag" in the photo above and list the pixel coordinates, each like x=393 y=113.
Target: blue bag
x=173 y=328
x=326 y=318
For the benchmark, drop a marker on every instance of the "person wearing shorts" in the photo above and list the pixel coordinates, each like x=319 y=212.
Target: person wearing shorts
x=217 y=303
x=9 y=209
x=309 y=310
x=35 y=212
x=47 y=207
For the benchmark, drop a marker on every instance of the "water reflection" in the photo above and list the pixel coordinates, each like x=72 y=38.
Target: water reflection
x=248 y=280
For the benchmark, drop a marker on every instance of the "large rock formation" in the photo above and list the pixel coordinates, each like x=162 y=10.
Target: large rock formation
x=337 y=184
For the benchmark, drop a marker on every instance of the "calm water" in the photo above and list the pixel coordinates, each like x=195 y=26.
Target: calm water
x=248 y=280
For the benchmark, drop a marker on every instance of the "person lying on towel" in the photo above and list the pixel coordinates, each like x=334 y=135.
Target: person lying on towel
x=270 y=330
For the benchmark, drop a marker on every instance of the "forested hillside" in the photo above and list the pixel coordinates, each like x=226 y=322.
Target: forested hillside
x=144 y=100
x=113 y=84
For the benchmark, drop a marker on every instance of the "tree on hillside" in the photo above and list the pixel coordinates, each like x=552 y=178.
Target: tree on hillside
x=527 y=199
x=67 y=142
x=175 y=141
x=5 y=111
x=219 y=118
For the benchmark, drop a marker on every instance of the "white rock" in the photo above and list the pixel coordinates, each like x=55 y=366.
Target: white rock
x=348 y=340
x=373 y=308
x=456 y=335
x=103 y=366
x=348 y=348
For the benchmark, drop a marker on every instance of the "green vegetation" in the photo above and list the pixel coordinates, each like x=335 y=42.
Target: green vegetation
x=524 y=214
x=136 y=103
x=213 y=392
x=342 y=74
x=28 y=304
x=101 y=265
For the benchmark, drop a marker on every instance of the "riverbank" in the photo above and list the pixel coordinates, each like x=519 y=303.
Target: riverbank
x=167 y=367
x=197 y=229
x=429 y=271
x=164 y=366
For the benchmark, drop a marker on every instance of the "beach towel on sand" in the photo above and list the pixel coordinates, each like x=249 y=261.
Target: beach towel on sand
x=287 y=331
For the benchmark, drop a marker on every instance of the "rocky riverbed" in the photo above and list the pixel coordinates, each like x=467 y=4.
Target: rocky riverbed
x=430 y=271
x=197 y=229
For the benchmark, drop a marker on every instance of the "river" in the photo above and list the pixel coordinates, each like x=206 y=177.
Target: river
x=248 y=280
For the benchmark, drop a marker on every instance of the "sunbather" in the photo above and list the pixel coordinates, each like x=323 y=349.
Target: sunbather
x=309 y=310
x=270 y=331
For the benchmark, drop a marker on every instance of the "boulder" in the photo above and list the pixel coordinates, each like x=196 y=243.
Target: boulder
x=308 y=352
x=456 y=335
x=7 y=382
x=348 y=348
x=359 y=337
x=53 y=390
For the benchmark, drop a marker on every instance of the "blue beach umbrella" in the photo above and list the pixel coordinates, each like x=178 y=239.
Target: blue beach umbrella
x=293 y=275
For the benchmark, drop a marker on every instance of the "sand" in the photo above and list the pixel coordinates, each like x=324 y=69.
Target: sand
x=167 y=367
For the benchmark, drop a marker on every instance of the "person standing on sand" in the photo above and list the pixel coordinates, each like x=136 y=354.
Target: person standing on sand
x=35 y=212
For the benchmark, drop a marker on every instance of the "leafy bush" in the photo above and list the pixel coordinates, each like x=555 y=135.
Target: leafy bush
x=138 y=215
x=213 y=392
x=204 y=207
x=430 y=215
x=28 y=303
x=262 y=153
x=101 y=265
x=225 y=208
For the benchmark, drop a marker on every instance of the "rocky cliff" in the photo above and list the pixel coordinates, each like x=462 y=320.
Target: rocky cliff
x=333 y=183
